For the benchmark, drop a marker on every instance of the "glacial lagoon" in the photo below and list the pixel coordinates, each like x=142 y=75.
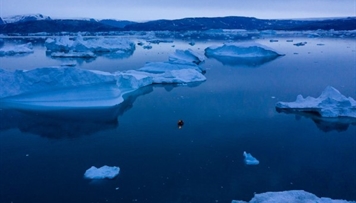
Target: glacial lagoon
x=44 y=155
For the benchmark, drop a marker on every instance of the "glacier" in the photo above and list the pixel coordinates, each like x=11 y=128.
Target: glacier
x=295 y=196
x=250 y=160
x=103 y=172
x=17 y=49
x=244 y=54
x=331 y=103
x=64 y=46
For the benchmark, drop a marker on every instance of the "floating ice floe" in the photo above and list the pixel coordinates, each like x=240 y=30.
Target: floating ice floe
x=249 y=54
x=331 y=103
x=70 y=87
x=250 y=160
x=17 y=49
x=295 y=196
x=103 y=172
x=80 y=47
x=186 y=56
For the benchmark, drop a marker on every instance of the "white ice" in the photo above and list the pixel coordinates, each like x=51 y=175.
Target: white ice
x=292 y=196
x=17 y=49
x=250 y=160
x=103 y=172
x=241 y=50
x=331 y=103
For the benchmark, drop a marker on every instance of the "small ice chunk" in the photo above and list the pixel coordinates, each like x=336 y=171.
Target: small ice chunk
x=331 y=103
x=300 y=44
x=147 y=47
x=72 y=54
x=250 y=160
x=103 y=172
x=17 y=49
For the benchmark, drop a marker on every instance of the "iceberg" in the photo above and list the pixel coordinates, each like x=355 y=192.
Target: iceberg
x=331 y=103
x=186 y=56
x=18 y=49
x=248 y=54
x=103 y=172
x=80 y=47
x=250 y=160
x=295 y=196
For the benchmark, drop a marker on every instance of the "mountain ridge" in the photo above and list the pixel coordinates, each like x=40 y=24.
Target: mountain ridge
x=40 y=23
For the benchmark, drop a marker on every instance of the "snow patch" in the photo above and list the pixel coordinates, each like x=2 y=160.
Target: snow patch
x=331 y=103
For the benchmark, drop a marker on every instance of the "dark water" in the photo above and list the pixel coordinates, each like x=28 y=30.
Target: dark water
x=43 y=155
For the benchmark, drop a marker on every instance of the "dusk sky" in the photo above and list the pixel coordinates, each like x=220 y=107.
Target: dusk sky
x=140 y=10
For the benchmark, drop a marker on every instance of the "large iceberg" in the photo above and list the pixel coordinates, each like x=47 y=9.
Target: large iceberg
x=292 y=196
x=243 y=54
x=80 y=47
x=103 y=172
x=17 y=49
x=331 y=103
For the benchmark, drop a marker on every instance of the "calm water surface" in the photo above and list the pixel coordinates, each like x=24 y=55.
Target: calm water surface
x=43 y=155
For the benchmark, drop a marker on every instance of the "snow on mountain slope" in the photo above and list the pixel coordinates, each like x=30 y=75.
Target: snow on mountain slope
x=24 y=18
